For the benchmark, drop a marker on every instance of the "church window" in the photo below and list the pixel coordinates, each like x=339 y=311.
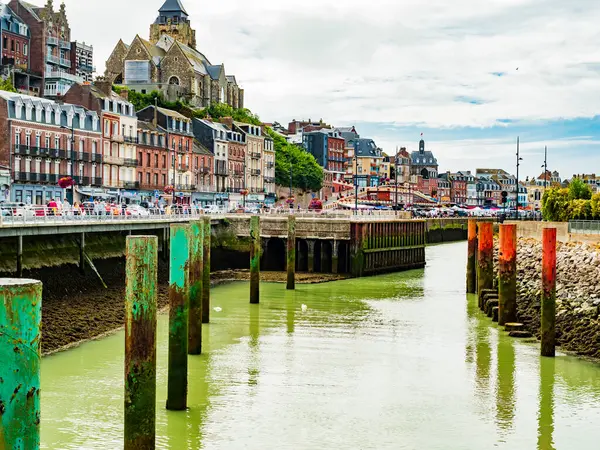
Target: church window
x=174 y=80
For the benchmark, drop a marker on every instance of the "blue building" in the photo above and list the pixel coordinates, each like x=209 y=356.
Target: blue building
x=315 y=143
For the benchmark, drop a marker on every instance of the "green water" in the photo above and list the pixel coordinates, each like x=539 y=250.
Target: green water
x=403 y=361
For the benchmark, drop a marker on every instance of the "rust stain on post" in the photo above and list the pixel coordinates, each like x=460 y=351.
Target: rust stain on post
x=471 y=258
x=196 y=279
x=485 y=259
x=548 y=323
x=507 y=275
x=179 y=292
x=20 y=354
x=140 y=342
x=206 y=270
x=255 y=259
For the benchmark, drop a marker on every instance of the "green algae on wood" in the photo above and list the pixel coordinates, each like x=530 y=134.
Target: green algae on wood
x=291 y=253
x=20 y=354
x=179 y=291
x=196 y=276
x=255 y=250
x=140 y=342
x=206 y=270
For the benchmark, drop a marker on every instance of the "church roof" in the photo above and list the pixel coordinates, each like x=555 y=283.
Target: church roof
x=173 y=6
x=423 y=159
x=215 y=71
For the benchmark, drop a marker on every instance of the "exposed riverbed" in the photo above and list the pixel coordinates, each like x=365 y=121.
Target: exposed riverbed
x=402 y=361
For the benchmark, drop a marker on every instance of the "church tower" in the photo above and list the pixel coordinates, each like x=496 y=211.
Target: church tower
x=173 y=21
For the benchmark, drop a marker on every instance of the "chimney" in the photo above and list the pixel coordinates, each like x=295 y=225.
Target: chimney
x=155 y=119
x=124 y=94
x=103 y=85
x=227 y=121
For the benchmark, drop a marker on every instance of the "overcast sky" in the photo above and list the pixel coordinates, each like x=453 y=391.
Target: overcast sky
x=469 y=74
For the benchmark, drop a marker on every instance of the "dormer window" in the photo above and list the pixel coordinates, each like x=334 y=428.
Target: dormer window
x=18 y=109
x=28 y=109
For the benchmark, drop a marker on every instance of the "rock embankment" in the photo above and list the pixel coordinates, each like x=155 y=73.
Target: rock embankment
x=577 y=294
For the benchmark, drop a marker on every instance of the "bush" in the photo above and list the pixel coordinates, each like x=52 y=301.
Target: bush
x=559 y=205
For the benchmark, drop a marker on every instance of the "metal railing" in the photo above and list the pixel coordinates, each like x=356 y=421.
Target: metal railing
x=584 y=226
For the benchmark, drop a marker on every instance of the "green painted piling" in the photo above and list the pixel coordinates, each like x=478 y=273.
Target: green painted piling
x=255 y=259
x=179 y=291
x=140 y=342
x=20 y=354
x=206 y=270
x=196 y=279
x=291 y=254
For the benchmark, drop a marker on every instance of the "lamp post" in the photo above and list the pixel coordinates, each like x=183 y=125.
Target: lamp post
x=545 y=166
x=72 y=128
x=396 y=178
x=519 y=159
x=355 y=184
x=291 y=178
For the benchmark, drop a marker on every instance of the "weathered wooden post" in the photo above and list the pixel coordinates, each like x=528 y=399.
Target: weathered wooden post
x=20 y=355
x=311 y=255
x=196 y=276
x=140 y=342
x=507 y=275
x=291 y=253
x=179 y=291
x=485 y=259
x=471 y=257
x=255 y=259
x=206 y=271
x=548 y=323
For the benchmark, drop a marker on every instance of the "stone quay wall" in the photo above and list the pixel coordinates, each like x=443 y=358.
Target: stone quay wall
x=577 y=293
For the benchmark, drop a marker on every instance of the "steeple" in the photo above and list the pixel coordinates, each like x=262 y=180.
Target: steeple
x=173 y=20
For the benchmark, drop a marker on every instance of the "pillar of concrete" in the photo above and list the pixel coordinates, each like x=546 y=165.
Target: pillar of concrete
x=311 y=255
x=20 y=356
x=507 y=275
x=196 y=278
x=82 y=253
x=291 y=253
x=335 y=257
x=179 y=297
x=140 y=342
x=548 y=323
x=20 y=256
x=485 y=259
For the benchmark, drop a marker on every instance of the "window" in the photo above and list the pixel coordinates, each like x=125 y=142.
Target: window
x=148 y=163
x=115 y=129
x=164 y=180
x=94 y=147
x=155 y=179
x=106 y=127
x=140 y=158
x=137 y=71
x=5 y=42
x=156 y=161
x=25 y=49
x=147 y=178
x=18 y=48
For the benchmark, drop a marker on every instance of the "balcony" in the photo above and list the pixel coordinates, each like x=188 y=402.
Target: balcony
x=96 y=157
x=131 y=184
x=52 y=59
x=25 y=150
x=82 y=156
x=62 y=75
x=117 y=138
x=183 y=167
x=270 y=165
x=185 y=187
x=204 y=170
x=130 y=139
x=51 y=40
x=65 y=62
x=64 y=44
x=114 y=160
x=269 y=179
x=255 y=155
x=87 y=68
x=96 y=181
x=255 y=172
x=130 y=162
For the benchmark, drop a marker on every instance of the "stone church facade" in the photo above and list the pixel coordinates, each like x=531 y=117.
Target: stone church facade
x=170 y=63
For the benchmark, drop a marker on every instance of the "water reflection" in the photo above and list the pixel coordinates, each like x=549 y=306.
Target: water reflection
x=505 y=384
x=254 y=342
x=546 y=408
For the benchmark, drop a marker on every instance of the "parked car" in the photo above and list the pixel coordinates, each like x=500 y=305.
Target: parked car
x=137 y=211
x=19 y=209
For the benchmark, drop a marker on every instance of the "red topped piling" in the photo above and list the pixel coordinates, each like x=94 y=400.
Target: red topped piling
x=472 y=258
x=548 y=323
x=507 y=275
x=485 y=259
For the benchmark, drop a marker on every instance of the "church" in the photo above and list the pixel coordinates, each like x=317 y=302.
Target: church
x=170 y=63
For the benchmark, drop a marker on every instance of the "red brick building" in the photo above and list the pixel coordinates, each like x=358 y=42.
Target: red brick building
x=336 y=159
x=237 y=157
x=42 y=141
x=153 y=158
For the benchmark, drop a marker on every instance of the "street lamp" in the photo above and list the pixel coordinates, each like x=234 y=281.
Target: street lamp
x=355 y=184
x=519 y=159
x=396 y=178
x=72 y=128
x=545 y=166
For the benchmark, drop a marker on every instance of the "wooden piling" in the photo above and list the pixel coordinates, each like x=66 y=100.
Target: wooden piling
x=485 y=259
x=20 y=355
x=179 y=291
x=291 y=253
x=471 y=258
x=255 y=259
x=507 y=275
x=140 y=342
x=206 y=270
x=196 y=278
x=548 y=322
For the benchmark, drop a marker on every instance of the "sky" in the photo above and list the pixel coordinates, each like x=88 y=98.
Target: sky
x=471 y=75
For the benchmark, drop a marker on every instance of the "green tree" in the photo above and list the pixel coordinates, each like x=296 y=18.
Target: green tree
x=555 y=204
x=578 y=190
x=595 y=205
x=6 y=85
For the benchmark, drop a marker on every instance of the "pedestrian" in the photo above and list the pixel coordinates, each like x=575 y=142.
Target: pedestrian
x=52 y=206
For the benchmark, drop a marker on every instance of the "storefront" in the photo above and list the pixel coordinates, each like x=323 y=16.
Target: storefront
x=270 y=200
x=255 y=201
x=222 y=200
x=236 y=201
x=203 y=198
x=35 y=194
x=4 y=185
x=91 y=194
